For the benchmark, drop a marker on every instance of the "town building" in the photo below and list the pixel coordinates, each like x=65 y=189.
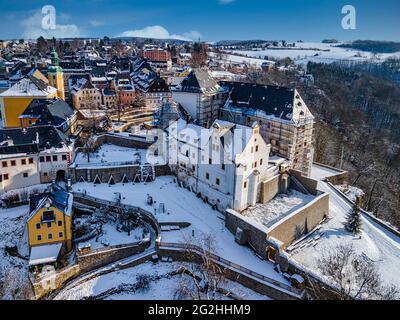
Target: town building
x=55 y=76
x=33 y=155
x=84 y=94
x=285 y=120
x=14 y=101
x=54 y=112
x=49 y=225
x=225 y=164
x=201 y=96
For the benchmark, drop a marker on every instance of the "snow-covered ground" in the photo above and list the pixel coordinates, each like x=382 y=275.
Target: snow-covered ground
x=315 y=52
x=14 y=281
x=182 y=205
x=109 y=154
x=279 y=207
x=351 y=192
x=162 y=285
x=320 y=173
x=376 y=243
x=110 y=236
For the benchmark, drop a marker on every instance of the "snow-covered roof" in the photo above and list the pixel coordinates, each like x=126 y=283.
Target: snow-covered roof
x=44 y=254
x=29 y=87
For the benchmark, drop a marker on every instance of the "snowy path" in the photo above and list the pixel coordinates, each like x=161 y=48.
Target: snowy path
x=376 y=243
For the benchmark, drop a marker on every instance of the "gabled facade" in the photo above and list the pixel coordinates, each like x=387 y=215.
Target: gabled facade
x=49 y=225
x=15 y=100
x=225 y=164
x=201 y=96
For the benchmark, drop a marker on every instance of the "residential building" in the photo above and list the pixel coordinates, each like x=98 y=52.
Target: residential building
x=33 y=155
x=49 y=225
x=55 y=112
x=84 y=94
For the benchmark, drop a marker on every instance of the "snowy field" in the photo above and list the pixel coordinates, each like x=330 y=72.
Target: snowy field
x=123 y=285
x=14 y=281
x=109 y=154
x=315 y=52
x=279 y=207
x=182 y=205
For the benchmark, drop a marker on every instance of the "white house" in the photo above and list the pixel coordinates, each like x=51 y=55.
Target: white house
x=224 y=164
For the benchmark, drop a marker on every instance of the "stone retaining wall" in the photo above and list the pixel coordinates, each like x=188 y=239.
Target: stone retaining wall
x=93 y=260
x=236 y=276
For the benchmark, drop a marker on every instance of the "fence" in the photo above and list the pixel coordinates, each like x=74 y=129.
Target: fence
x=232 y=265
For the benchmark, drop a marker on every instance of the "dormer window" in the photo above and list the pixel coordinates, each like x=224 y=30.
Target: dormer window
x=48 y=216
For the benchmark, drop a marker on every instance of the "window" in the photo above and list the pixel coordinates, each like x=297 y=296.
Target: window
x=23 y=162
x=207 y=176
x=4 y=164
x=60 y=223
x=25 y=174
x=38 y=237
x=45 y=174
x=13 y=163
x=209 y=161
x=245 y=185
x=48 y=216
x=256 y=148
x=223 y=166
x=50 y=236
x=261 y=162
x=48 y=159
x=38 y=226
x=255 y=164
x=64 y=157
x=60 y=234
x=41 y=159
x=5 y=177
x=55 y=158
x=30 y=160
x=48 y=224
x=252 y=149
x=217 y=181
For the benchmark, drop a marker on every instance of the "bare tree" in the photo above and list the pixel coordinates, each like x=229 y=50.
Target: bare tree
x=354 y=276
x=89 y=145
x=204 y=277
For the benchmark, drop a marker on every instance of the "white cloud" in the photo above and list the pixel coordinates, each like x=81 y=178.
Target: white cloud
x=226 y=1
x=159 y=32
x=96 y=23
x=32 y=29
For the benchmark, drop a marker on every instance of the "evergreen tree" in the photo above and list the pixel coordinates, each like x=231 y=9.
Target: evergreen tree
x=353 y=220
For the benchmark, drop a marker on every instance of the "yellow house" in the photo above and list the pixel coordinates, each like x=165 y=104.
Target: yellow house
x=49 y=225
x=15 y=100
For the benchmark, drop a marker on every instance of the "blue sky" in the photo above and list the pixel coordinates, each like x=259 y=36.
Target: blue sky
x=211 y=20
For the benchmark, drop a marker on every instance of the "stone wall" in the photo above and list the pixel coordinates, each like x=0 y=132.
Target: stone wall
x=42 y=287
x=253 y=234
x=118 y=173
x=308 y=183
x=244 y=279
x=93 y=260
x=128 y=142
x=306 y=218
x=269 y=189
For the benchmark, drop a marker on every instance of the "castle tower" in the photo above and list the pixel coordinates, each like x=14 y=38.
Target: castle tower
x=55 y=76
